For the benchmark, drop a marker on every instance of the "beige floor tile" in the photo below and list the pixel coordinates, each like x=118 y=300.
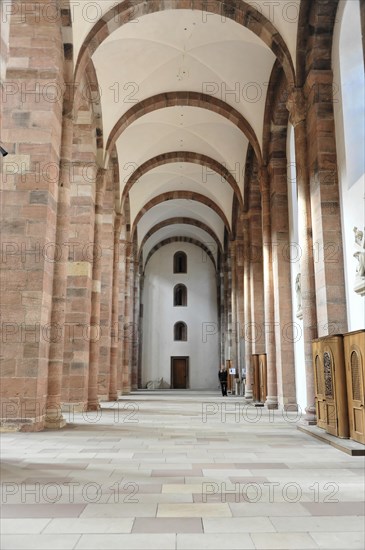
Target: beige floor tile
x=238 y=525
x=121 y=510
x=339 y=541
x=92 y=525
x=38 y=542
x=283 y=541
x=214 y=542
x=166 y=459
x=193 y=510
x=24 y=525
x=319 y=524
x=127 y=542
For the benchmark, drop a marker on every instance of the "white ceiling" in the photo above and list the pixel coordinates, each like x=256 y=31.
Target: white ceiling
x=181 y=208
x=181 y=230
x=174 y=51
x=182 y=128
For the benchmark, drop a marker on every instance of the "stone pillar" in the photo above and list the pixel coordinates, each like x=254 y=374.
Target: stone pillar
x=222 y=315
x=257 y=283
x=93 y=400
x=234 y=334
x=76 y=356
x=54 y=418
x=272 y=399
x=297 y=110
x=31 y=128
x=284 y=333
x=128 y=320
x=106 y=296
x=247 y=310
x=121 y=303
x=325 y=205
x=113 y=381
x=135 y=313
x=240 y=294
x=140 y=330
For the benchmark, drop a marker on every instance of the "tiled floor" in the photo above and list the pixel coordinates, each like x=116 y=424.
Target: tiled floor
x=179 y=470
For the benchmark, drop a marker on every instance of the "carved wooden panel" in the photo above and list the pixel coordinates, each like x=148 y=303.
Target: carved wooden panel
x=354 y=345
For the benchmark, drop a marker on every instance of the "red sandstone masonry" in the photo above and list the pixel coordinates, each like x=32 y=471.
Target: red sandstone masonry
x=32 y=223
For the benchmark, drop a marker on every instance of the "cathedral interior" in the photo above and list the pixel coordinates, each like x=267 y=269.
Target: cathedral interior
x=182 y=192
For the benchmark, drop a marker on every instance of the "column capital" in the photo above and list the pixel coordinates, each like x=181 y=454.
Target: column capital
x=297 y=106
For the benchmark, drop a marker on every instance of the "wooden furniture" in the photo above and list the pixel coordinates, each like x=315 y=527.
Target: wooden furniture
x=354 y=348
x=263 y=377
x=330 y=385
x=256 y=377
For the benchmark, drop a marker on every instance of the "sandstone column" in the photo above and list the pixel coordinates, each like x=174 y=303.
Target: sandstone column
x=297 y=110
x=284 y=331
x=93 y=400
x=113 y=387
x=54 y=418
x=247 y=310
x=234 y=334
x=272 y=399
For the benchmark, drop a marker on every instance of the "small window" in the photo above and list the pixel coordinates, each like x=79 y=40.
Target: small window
x=180 y=295
x=180 y=262
x=180 y=332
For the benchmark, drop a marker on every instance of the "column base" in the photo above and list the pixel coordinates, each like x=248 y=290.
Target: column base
x=93 y=406
x=290 y=407
x=53 y=419
x=310 y=417
x=271 y=402
x=248 y=395
x=55 y=423
x=113 y=396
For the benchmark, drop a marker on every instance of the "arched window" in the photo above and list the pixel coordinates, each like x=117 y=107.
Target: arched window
x=180 y=295
x=180 y=262
x=180 y=332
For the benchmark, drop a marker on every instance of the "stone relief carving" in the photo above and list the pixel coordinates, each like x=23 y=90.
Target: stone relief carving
x=359 y=254
x=298 y=290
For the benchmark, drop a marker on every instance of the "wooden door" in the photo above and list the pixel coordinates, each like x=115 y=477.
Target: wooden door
x=355 y=375
x=256 y=377
x=179 y=373
x=263 y=377
x=319 y=385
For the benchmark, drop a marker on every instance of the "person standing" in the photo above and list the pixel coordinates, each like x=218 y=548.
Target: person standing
x=222 y=375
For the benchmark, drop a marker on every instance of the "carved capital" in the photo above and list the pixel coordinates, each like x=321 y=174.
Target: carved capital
x=297 y=106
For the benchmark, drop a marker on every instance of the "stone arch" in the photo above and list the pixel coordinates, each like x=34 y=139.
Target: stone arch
x=192 y=99
x=276 y=112
x=180 y=240
x=183 y=156
x=175 y=195
x=240 y=12
x=181 y=220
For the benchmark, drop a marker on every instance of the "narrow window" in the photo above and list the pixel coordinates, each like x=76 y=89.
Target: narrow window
x=180 y=262
x=180 y=295
x=180 y=332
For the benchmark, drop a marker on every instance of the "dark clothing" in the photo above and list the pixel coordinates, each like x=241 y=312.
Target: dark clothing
x=222 y=375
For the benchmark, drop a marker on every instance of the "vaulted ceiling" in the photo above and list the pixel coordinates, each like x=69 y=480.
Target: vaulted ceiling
x=182 y=95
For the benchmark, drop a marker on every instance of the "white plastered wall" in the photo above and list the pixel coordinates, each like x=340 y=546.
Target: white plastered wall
x=159 y=317
x=348 y=75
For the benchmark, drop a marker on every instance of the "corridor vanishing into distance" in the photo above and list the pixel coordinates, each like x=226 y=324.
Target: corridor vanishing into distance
x=179 y=470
